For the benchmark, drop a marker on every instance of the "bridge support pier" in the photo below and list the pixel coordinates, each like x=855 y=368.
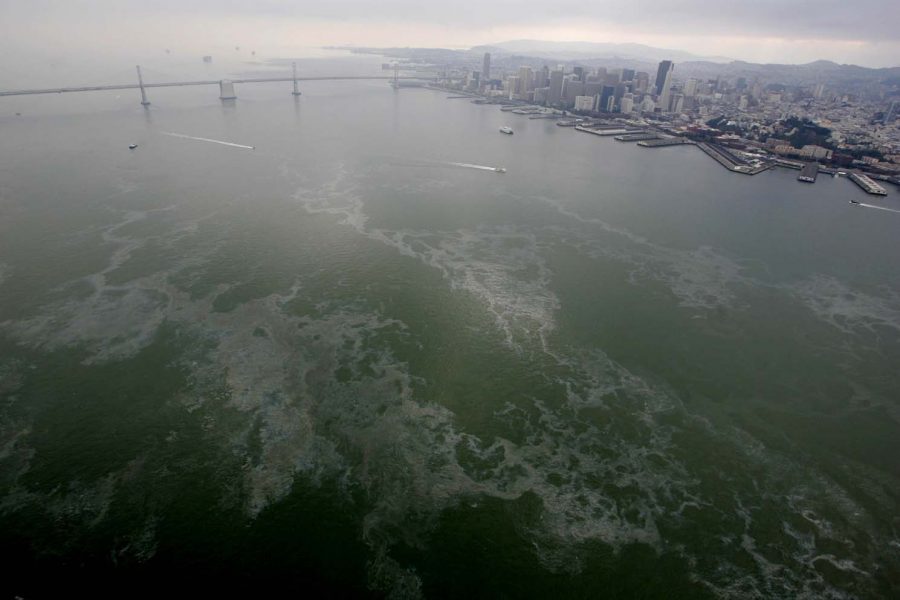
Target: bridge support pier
x=226 y=90
x=144 y=100
x=296 y=91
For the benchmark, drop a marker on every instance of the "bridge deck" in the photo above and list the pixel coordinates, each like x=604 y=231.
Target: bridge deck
x=135 y=86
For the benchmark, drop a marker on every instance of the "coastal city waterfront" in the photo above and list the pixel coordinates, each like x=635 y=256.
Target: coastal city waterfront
x=748 y=125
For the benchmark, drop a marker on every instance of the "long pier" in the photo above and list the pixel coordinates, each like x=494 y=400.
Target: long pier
x=866 y=183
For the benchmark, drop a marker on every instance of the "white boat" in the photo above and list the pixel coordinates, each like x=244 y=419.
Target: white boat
x=499 y=170
x=506 y=130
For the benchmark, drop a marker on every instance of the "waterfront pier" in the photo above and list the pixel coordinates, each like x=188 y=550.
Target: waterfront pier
x=867 y=184
x=808 y=173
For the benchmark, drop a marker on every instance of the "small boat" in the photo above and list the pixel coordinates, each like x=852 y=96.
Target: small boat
x=499 y=170
x=506 y=130
x=854 y=201
x=132 y=146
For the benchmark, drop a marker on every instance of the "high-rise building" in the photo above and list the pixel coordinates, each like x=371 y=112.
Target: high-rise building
x=627 y=74
x=572 y=89
x=556 y=87
x=664 y=83
x=677 y=103
x=607 y=98
x=626 y=104
x=690 y=87
x=579 y=73
x=486 y=66
x=642 y=81
x=526 y=79
x=512 y=89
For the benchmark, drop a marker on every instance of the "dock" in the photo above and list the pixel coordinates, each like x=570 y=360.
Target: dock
x=637 y=137
x=607 y=130
x=808 y=173
x=731 y=162
x=662 y=142
x=789 y=164
x=867 y=184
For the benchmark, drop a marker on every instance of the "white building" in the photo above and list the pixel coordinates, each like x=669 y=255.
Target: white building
x=585 y=103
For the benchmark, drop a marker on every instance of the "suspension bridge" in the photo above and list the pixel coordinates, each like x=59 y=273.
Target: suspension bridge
x=226 y=86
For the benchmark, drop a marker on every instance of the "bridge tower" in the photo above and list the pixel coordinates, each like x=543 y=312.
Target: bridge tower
x=144 y=100
x=226 y=90
x=296 y=91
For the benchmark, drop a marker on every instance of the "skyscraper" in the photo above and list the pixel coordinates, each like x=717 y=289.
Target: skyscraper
x=556 y=87
x=526 y=80
x=486 y=66
x=664 y=83
x=607 y=99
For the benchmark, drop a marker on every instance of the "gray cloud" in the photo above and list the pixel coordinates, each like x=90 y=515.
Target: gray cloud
x=870 y=22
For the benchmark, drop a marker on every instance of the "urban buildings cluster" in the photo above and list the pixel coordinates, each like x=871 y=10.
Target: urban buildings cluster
x=855 y=129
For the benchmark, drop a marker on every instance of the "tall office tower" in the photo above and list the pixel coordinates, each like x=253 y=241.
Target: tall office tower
x=642 y=81
x=571 y=90
x=556 y=87
x=601 y=74
x=486 y=66
x=545 y=77
x=593 y=88
x=677 y=103
x=607 y=98
x=627 y=74
x=663 y=83
x=526 y=80
x=512 y=86
x=690 y=87
x=579 y=73
x=626 y=104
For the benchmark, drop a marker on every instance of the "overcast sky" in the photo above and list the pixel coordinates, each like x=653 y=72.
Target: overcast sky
x=865 y=32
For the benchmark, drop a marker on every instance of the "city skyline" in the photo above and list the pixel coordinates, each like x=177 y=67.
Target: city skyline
x=772 y=31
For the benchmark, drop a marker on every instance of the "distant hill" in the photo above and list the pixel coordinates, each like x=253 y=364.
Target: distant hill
x=568 y=51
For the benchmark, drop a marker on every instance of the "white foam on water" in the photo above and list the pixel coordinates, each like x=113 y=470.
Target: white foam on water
x=502 y=267
x=701 y=278
x=326 y=397
x=847 y=309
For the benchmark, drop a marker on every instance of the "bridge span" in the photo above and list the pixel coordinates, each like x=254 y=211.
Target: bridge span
x=226 y=86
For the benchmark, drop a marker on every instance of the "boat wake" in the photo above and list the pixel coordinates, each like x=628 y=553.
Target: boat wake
x=894 y=210
x=202 y=139
x=480 y=167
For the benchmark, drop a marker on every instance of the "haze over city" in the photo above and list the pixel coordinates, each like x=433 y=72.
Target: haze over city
x=774 y=31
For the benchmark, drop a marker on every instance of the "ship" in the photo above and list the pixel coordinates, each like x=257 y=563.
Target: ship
x=506 y=130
